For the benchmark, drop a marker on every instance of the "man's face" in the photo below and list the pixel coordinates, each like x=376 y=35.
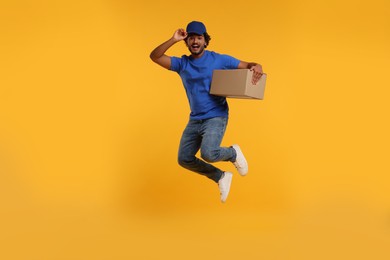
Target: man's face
x=196 y=44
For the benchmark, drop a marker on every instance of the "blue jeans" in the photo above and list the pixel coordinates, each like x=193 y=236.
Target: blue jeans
x=205 y=135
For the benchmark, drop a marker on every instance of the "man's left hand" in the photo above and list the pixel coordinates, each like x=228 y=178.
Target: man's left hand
x=257 y=73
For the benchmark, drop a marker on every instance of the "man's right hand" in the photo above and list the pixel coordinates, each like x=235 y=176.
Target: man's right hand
x=158 y=54
x=179 y=35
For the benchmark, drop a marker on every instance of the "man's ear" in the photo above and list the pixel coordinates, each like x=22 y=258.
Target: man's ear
x=185 y=40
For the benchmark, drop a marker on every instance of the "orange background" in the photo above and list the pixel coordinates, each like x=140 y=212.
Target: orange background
x=89 y=131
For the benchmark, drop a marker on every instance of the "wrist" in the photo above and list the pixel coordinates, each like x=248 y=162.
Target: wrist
x=174 y=40
x=257 y=65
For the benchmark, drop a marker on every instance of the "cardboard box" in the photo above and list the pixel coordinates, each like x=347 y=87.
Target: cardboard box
x=237 y=84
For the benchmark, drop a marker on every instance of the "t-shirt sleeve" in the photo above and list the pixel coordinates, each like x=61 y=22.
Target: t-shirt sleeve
x=175 y=64
x=230 y=62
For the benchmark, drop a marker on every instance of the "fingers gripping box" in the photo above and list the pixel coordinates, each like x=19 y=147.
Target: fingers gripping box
x=237 y=84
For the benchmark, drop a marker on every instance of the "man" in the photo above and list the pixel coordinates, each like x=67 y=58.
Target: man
x=209 y=113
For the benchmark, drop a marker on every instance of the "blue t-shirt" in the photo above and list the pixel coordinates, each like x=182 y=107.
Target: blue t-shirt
x=196 y=75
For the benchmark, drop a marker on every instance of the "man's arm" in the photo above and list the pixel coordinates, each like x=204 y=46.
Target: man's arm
x=256 y=68
x=158 y=54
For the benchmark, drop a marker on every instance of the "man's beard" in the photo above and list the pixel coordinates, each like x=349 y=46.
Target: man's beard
x=198 y=51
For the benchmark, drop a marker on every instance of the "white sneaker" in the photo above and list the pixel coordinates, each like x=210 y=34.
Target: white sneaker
x=224 y=185
x=240 y=163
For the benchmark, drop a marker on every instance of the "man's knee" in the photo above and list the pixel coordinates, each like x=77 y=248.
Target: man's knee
x=185 y=161
x=210 y=155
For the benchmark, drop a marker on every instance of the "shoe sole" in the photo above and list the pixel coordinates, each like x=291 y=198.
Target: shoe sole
x=238 y=150
x=228 y=175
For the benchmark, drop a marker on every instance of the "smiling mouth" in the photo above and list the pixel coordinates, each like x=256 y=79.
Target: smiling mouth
x=196 y=49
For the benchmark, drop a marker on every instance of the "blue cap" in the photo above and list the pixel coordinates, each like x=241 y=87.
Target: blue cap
x=196 y=27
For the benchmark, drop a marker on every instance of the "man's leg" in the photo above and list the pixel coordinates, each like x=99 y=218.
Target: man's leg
x=190 y=143
x=212 y=131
